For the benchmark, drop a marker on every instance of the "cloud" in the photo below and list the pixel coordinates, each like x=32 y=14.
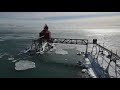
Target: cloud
x=64 y=19
x=51 y=14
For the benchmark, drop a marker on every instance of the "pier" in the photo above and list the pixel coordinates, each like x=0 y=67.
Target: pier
x=99 y=70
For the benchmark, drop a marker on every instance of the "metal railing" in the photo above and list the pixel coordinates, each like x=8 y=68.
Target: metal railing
x=112 y=56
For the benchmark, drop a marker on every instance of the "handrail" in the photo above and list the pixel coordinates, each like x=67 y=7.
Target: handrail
x=113 y=57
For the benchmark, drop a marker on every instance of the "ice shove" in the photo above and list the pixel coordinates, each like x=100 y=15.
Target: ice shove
x=24 y=65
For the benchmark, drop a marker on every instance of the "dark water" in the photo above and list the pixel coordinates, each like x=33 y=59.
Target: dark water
x=52 y=64
x=48 y=65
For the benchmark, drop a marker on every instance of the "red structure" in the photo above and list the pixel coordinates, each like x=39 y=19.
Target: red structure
x=45 y=33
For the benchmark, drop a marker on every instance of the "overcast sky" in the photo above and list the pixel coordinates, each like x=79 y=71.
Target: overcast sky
x=82 y=19
x=42 y=15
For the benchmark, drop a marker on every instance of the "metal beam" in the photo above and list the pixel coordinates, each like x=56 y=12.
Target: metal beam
x=69 y=41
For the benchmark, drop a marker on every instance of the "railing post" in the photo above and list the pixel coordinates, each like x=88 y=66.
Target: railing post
x=86 y=53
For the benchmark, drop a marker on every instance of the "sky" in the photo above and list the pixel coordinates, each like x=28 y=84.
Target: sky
x=63 y=19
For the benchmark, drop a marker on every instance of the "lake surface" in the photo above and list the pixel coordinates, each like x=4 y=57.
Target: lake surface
x=59 y=63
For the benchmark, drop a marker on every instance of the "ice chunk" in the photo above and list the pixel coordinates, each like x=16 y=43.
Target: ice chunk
x=11 y=58
x=84 y=70
x=60 y=51
x=41 y=52
x=2 y=55
x=1 y=40
x=14 y=60
x=79 y=53
x=24 y=65
x=63 y=46
x=91 y=73
x=26 y=51
x=66 y=59
x=43 y=47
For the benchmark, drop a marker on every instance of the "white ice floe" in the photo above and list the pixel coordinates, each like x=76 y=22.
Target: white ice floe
x=43 y=46
x=11 y=58
x=80 y=48
x=14 y=60
x=41 y=52
x=79 y=53
x=1 y=55
x=43 y=49
x=91 y=73
x=25 y=51
x=84 y=70
x=24 y=65
x=66 y=59
x=60 y=51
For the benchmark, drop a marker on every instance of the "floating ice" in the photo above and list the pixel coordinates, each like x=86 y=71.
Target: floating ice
x=66 y=59
x=64 y=46
x=79 y=53
x=43 y=47
x=41 y=52
x=11 y=58
x=14 y=60
x=1 y=40
x=1 y=55
x=5 y=54
x=80 y=48
x=24 y=65
x=84 y=70
x=25 y=51
x=60 y=51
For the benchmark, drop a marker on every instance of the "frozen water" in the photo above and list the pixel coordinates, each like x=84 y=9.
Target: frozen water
x=66 y=59
x=1 y=55
x=84 y=70
x=59 y=48
x=43 y=47
x=1 y=40
x=24 y=65
x=14 y=60
x=60 y=51
x=11 y=58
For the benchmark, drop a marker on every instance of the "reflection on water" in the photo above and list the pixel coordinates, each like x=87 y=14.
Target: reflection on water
x=61 y=62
